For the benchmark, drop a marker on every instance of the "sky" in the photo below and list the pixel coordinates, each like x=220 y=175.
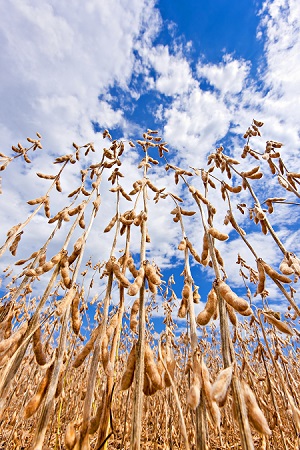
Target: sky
x=197 y=71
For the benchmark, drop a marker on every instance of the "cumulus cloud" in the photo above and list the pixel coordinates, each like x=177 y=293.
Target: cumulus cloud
x=228 y=77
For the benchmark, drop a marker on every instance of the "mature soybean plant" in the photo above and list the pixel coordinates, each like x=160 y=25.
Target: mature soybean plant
x=82 y=366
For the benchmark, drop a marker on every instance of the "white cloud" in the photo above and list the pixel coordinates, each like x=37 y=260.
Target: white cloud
x=228 y=77
x=194 y=122
x=172 y=72
x=59 y=57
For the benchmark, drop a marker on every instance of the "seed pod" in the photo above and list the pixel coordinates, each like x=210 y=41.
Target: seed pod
x=137 y=284
x=205 y=251
x=112 y=325
x=119 y=275
x=35 y=402
x=217 y=234
x=14 y=339
x=204 y=316
x=250 y=172
x=111 y=224
x=182 y=245
x=193 y=251
x=38 y=348
x=171 y=366
x=151 y=369
x=183 y=308
x=75 y=210
x=75 y=316
x=30 y=272
x=128 y=375
x=36 y=201
x=152 y=287
x=261 y=278
x=65 y=272
x=58 y=185
x=87 y=348
x=212 y=406
x=6 y=325
x=295 y=412
x=56 y=258
x=232 y=315
x=234 y=189
x=273 y=274
x=14 y=246
x=281 y=326
x=196 y=295
x=219 y=257
x=198 y=194
x=133 y=315
x=193 y=395
x=131 y=267
x=104 y=352
x=268 y=386
x=219 y=390
x=255 y=414
x=66 y=300
x=46 y=267
x=125 y=195
x=238 y=303
x=151 y=274
x=82 y=222
x=70 y=436
x=285 y=267
x=47 y=207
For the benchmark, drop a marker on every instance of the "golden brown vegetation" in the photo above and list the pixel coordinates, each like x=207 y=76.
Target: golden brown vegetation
x=87 y=373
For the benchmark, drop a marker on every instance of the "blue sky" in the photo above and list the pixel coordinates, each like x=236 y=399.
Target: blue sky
x=198 y=71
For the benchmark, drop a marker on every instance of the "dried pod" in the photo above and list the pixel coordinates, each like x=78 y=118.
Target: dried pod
x=261 y=278
x=211 y=405
x=75 y=316
x=137 y=284
x=182 y=245
x=66 y=301
x=82 y=222
x=211 y=305
x=119 y=275
x=250 y=172
x=193 y=395
x=128 y=375
x=238 y=303
x=133 y=315
x=255 y=414
x=205 y=251
x=35 y=402
x=182 y=312
x=285 y=267
x=70 y=436
x=65 y=272
x=14 y=246
x=36 y=201
x=152 y=275
x=217 y=234
x=193 y=251
x=151 y=369
x=87 y=348
x=104 y=352
x=281 y=326
x=273 y=274
x=196 y=295
x=221 y=385
x=38 y=348
x=234 y=189
x=131 y=267
x=232 y=315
